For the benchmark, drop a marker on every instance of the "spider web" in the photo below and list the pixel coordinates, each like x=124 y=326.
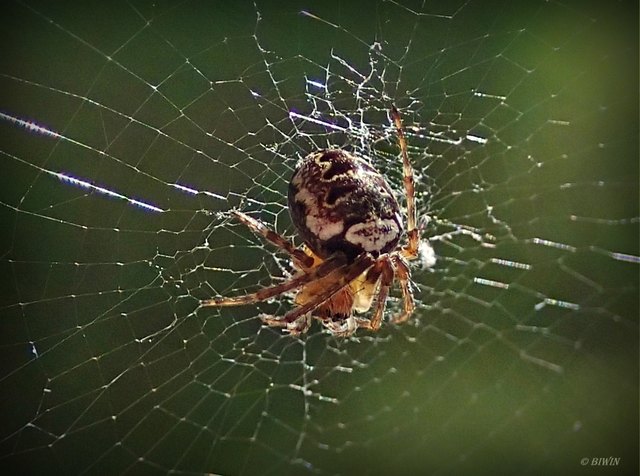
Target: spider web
x=130 y=130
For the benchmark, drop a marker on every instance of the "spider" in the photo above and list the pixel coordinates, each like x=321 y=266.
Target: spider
x=349 y=220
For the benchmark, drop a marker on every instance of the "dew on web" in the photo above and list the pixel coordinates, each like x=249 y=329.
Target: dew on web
x=130 y=132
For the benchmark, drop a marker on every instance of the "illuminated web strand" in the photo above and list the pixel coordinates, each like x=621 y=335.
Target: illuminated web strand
x=625 y=257
x=38 y=129
x=294 y=114
x=511 y=264
x=193 y=191
x=103 y=191
x=189 y=190
x=618 y=256
x=491 y=282
x=490 y=96
x=316 y=84
x=556 y=302
x=553 y=244
x=477 y=139
x=30 y=126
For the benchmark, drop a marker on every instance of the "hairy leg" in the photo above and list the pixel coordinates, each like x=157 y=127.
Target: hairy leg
x=343 y=277
x=403 y=275
x=385 y=274
x=323 y=269
x=410 y=251
x=299 y=257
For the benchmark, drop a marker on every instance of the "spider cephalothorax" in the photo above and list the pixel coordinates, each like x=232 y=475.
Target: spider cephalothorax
x=349 y=220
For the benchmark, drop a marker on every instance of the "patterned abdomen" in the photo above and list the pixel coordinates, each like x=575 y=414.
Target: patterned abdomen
x=339 y=203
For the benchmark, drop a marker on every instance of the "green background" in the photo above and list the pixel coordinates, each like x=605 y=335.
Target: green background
x=108 y=365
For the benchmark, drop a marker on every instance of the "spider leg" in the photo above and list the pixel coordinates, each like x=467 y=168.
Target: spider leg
x=299 y=257
x=403 y=274
x=297 y=327
x=344 y=276
x=385 y=274
x=410 y=251
x=323 y=269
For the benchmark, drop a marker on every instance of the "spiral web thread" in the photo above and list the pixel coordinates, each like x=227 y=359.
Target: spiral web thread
x=122 y=162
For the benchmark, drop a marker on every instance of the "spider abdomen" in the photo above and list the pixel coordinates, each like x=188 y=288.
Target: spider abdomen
x=340 y=203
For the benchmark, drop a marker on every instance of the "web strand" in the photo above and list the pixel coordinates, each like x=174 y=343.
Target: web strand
x=130 y=134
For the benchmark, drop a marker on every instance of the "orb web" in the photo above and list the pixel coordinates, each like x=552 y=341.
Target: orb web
x=131 y=130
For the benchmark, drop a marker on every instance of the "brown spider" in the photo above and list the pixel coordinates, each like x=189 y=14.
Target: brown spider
x=350 y=223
